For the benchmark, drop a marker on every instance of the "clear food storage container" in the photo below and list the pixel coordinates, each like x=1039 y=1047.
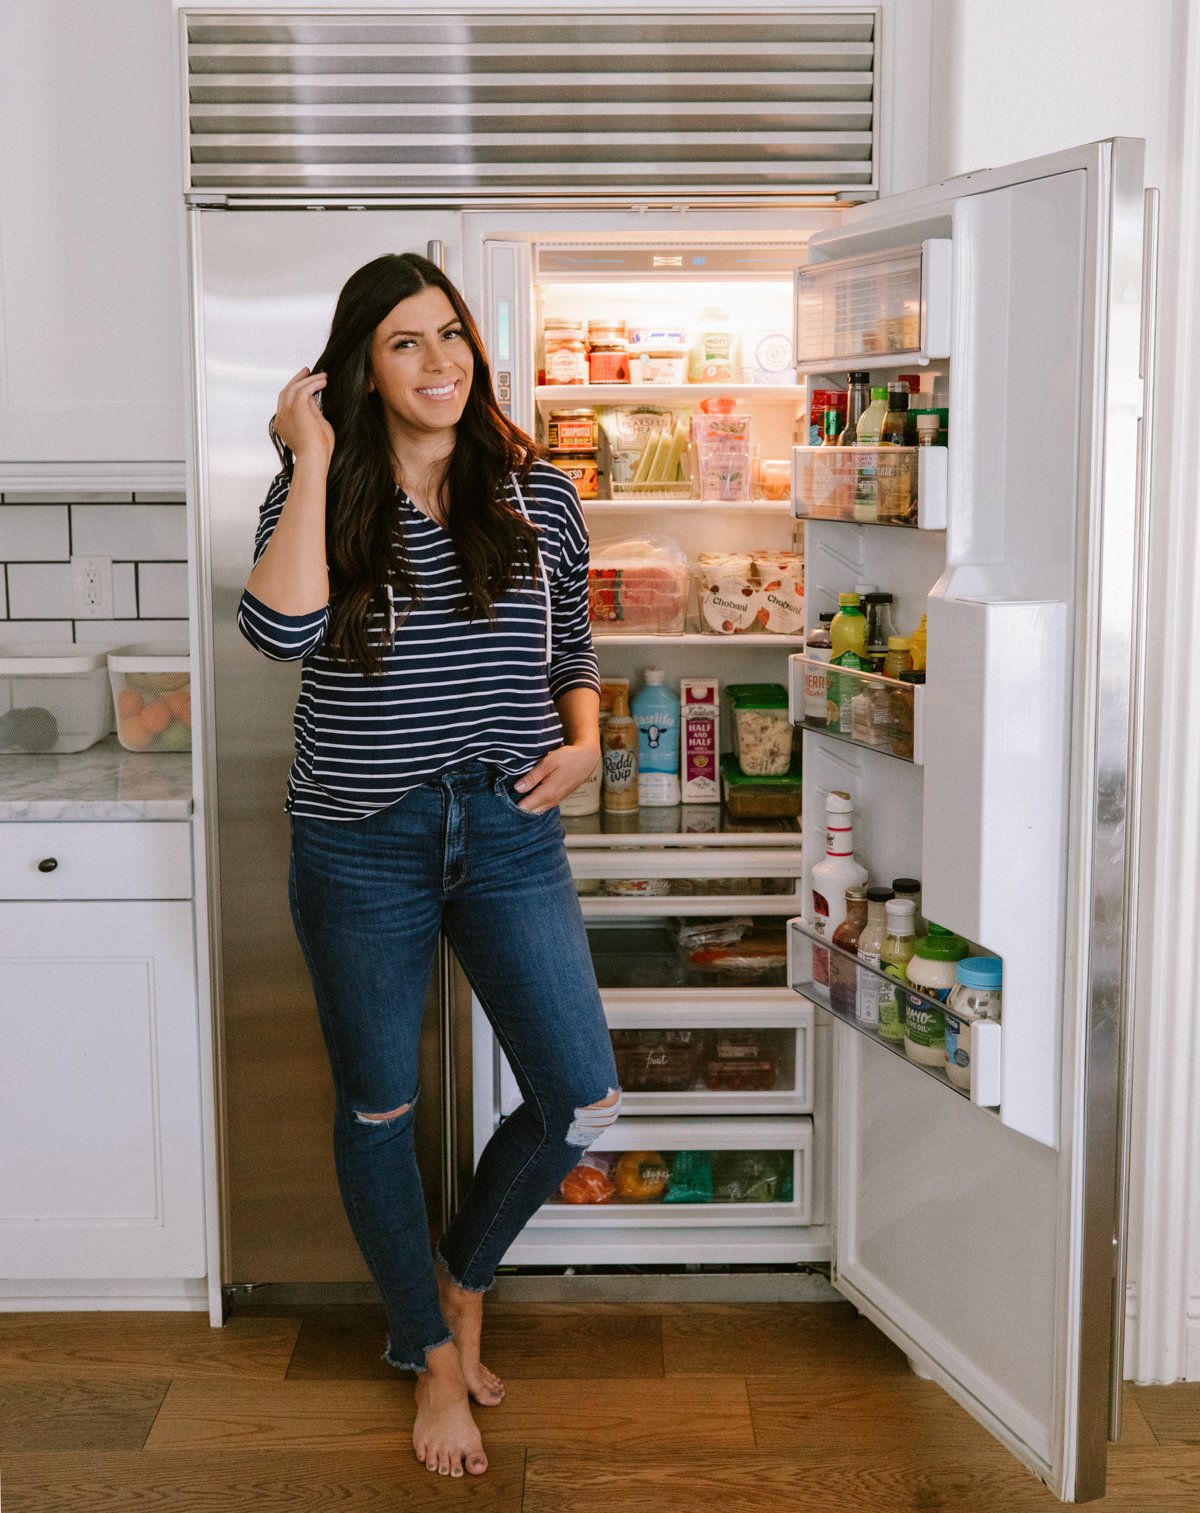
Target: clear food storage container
x=53 y=697
x=762 y=731
x=638 y=586
x=152 y=691
x=760 y=798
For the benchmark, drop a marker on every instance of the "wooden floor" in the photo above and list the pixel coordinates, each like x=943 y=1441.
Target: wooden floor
x=658 y=1408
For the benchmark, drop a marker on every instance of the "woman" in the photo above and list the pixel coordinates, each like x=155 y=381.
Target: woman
x=432 y=575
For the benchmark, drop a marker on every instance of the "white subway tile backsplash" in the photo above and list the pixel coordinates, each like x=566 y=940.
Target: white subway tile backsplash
x=162 y=589
x=133 y=532
x=125 y=606
x=12 y=631
x=34 y=533
x=112 y=633
x=39 y=590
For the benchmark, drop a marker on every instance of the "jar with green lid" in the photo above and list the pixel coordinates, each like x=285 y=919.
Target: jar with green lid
x=933 y=969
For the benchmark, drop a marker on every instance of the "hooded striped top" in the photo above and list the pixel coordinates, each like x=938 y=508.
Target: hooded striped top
x=453 y=689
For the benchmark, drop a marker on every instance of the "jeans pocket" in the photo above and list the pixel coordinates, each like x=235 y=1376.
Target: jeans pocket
x=511 y=800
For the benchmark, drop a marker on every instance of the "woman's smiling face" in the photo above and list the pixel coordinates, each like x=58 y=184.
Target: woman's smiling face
x=422 y=364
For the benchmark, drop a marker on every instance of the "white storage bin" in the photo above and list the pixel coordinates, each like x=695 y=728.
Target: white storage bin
x=152 y=691
x=53 y=697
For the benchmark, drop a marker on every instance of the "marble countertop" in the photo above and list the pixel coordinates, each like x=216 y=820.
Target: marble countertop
x=106 y=782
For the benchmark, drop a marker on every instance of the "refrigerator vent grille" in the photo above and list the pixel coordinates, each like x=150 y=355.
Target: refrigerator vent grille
x=457 y=108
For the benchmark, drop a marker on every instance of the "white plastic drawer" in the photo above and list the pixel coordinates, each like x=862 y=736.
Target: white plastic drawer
x=773 y=1156
x=635 y=881
x=711 y=1053
x=96 y=860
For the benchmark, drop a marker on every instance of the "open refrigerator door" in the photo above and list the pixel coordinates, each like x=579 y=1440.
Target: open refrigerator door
x=976 y=1147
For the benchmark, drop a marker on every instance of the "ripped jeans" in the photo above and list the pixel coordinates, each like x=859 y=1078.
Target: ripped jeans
x=368 y=899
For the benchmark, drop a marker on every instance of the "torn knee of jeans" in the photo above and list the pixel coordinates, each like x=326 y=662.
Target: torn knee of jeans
x=593 y=1119
x=389 y=1117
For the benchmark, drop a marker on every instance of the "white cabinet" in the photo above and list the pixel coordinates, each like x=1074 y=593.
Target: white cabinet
x=100 y=1113
x=91 y=288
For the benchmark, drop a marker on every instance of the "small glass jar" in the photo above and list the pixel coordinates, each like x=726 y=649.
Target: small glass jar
x=608 y=353
x=976 y=995
x=566 y=353
x=572 y=431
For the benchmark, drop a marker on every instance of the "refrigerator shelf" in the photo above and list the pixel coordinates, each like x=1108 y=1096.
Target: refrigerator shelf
x=791 y=395
x=683 y=825
x=804 y=943
x=638 y=906
x=648 y=501
x=825 y=480
x=898 y=722
x=677 y=1244
x=696 y=638
x=879 y=310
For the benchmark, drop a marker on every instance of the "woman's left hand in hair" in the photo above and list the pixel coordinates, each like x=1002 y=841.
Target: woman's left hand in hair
x=558 y=773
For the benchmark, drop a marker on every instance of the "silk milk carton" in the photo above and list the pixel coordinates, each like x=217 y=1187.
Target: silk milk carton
x=700 y=744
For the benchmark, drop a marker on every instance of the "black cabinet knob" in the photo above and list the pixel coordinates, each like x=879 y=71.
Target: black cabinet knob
x=48 y=864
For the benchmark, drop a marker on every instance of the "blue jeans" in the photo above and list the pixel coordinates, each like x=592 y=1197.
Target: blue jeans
x=368 y=900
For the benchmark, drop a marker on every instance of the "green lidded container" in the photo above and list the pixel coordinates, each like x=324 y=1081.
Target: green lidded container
x=762 y=731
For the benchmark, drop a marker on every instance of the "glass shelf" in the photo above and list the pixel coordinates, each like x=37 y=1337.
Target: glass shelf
x=695 y=638
x=829 y=977
x=898 y=487
x=649 y=501
x=676 y=825
x=889 y=720
x=879 y=308
x=668 y=394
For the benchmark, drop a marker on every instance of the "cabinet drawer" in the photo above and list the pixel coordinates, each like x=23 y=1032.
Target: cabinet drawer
x=101 y=860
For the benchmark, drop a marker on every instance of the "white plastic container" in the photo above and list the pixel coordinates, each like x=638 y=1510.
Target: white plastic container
x=53 y=698
x=659 y=365
x=976 y=995
x=152 y=691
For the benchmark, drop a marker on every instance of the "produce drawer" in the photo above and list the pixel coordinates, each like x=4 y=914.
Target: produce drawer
x=151 y=859
x=726 y=1172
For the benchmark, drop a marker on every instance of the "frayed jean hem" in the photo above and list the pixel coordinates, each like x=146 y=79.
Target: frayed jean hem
x=411 y=1365
x=466 y=1287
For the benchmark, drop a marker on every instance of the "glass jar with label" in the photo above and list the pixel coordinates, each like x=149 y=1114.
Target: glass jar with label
x=608 y=352
x=572 y=431
x=566 y=353
x=976 y=995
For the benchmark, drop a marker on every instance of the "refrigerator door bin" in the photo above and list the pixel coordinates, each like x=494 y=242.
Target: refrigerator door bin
x=877 y=310
x=711 y=1053
x=985 y=1033
x=877 y=713
x=727 y=1172
x=908 y=485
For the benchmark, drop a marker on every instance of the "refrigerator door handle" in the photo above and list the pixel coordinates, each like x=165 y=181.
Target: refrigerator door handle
x=1137 y=657
x=435 y=251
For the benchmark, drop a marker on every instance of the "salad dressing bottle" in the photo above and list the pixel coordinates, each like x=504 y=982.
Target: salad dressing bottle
x=898 y=946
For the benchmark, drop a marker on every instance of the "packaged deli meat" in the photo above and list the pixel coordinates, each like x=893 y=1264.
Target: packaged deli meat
x=638 y=585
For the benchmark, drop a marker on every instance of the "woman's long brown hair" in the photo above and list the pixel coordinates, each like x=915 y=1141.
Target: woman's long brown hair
x=363 y=532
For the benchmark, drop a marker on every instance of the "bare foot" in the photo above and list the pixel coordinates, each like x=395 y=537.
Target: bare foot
x=463 y=1311
x=445 y=1438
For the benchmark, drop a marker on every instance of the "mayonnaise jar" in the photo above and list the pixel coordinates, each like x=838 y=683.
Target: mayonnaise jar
x=977 y=995
x=932 y=970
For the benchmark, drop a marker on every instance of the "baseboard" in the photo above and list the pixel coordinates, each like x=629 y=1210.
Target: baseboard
x=142 y=1295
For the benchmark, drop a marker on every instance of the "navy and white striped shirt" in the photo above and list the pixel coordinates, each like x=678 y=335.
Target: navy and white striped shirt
x=452 y=690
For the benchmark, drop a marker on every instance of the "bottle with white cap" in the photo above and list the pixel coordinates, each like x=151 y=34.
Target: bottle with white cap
x=656 y=710
x=833 y=876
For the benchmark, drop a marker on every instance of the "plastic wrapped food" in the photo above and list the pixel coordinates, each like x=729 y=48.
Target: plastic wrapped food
x=638 y=584
x=641 y=1176
x=693 y=934
x=752 y=1177
x=740 y=1076
x=589 y=1182
x=691 y=1178
x=749 y=959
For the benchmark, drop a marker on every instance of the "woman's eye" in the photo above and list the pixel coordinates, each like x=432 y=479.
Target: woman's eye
x=452 y=335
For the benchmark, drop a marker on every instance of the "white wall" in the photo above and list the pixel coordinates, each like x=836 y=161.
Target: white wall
x=1016 y=80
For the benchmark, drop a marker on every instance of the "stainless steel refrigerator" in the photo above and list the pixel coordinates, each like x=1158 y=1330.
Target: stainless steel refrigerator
x=982 y=1233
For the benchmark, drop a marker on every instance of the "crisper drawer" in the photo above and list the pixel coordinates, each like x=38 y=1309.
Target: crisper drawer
x=639 y=880
x=711 y=1053
x=690 y=1172
x=130 y=859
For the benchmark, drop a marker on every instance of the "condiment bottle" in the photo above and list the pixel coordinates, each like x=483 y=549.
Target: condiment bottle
x=848 y=631
x=894 y=957
x=899 y=657
x=848 y=649
x=866 y=481
x=619 y=749
x=566 y=354
x=877 y=607
x=869 y=989
x=843 y=975
x=932 y=969
x=910 y=887
x=818 y=647
x=833 y=876
x=831 y=428
x=928 y=425
x=871 y=423
x=856 y=404
x=916 y=647
x=895 y=419
x=977 y=995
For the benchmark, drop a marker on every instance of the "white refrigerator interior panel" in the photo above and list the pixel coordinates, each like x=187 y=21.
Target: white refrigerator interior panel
x=994 y=845
x=931 y=1198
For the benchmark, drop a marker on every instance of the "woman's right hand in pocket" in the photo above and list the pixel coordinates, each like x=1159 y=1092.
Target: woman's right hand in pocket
x=298 y=421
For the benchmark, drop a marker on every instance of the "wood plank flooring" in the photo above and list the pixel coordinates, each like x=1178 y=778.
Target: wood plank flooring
x=652 y=1408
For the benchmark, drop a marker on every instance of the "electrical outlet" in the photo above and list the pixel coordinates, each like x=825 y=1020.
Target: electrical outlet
x=91 y=588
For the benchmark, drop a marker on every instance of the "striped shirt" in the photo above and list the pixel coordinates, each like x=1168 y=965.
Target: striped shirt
x=453 y=689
